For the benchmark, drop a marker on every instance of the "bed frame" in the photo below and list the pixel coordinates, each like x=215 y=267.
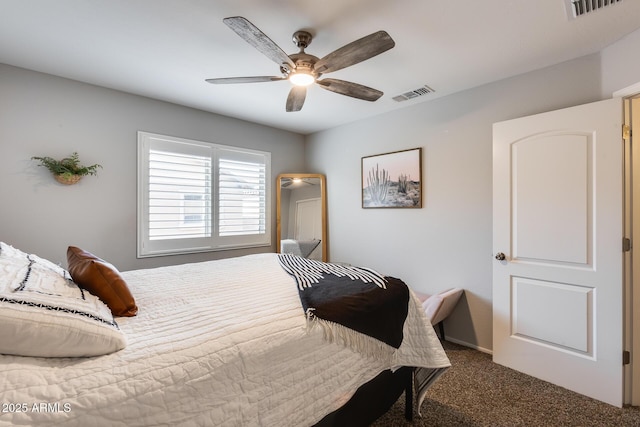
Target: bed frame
x=373 y=399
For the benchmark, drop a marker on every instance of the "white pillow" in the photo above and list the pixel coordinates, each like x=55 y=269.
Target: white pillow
x=44 y=313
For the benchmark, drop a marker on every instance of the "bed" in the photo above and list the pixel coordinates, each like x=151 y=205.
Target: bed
x=222 y=343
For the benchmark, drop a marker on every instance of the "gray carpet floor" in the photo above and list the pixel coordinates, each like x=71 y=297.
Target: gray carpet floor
x=477 y=392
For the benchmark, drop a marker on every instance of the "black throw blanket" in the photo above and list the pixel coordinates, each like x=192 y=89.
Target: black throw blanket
x=356 y=298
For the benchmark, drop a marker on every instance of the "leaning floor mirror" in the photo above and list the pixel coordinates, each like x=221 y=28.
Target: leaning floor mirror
x=301 y=222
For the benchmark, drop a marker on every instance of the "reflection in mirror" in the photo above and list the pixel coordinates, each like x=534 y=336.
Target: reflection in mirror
x=301 y=215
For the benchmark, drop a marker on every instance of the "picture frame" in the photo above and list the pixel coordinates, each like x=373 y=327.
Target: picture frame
x=392 y=180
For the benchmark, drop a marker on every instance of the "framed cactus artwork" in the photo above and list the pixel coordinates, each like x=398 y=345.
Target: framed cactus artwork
x=392 y=180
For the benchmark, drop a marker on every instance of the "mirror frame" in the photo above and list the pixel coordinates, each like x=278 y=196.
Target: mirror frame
x=323 y=207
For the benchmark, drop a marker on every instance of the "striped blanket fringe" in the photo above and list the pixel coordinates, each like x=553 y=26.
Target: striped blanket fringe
x=423 y=378
x=309 y=271
x=361 y=343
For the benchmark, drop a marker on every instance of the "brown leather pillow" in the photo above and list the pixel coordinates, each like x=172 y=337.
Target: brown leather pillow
x=102 y=280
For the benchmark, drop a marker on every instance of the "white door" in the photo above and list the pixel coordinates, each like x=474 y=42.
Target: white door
x=309 y=224
x=308 y=220
x=558 y=222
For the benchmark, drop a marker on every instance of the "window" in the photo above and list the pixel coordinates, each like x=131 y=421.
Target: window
x=194 y=210
x=195 y=196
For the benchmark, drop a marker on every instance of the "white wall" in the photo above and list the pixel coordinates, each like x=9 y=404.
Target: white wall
x=449 y=241
x=43 y=115
x=621 y=64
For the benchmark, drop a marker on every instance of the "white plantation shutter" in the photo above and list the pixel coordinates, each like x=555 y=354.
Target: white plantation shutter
x=179 y=195
x=242 y=193
x=195 y=196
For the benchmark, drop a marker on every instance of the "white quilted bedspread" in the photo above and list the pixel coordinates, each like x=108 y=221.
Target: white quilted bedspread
x=220 y=343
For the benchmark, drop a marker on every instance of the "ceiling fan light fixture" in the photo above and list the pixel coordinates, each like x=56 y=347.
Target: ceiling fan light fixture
x=301 y=78
x=303 y=69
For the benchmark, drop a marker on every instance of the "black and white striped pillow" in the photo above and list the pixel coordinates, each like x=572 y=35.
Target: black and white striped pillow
x=44 y=313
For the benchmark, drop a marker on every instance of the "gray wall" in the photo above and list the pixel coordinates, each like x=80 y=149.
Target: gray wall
x=621 y=64
x=43 y=115
x=448 y=242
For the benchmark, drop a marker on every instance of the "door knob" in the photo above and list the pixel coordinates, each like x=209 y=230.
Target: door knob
x=500 y=256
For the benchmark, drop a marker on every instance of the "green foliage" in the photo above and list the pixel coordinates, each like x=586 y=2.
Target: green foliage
x=67 y=166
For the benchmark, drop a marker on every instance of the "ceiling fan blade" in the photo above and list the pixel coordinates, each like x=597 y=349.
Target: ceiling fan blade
x=355 y=52
x=296 y=97
x=256 y=38
x=350 y=89
x=256 y=79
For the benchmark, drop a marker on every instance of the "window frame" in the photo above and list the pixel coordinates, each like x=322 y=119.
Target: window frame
x=147 y=247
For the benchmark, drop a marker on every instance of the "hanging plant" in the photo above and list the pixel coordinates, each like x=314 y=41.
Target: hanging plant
x=68 y=170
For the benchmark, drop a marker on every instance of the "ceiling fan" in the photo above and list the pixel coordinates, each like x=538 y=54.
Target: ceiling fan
x=302 y=69
x=286 y=182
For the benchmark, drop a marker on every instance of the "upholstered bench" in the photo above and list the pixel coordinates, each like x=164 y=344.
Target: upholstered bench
x=439 y=306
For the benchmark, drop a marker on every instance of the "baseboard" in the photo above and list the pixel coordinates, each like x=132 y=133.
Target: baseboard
x=466 y=344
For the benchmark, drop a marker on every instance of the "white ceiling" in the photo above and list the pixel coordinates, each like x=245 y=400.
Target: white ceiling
x=165 y=49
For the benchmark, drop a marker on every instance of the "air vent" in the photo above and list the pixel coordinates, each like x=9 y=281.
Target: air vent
x=421 y=91
x=576 y=8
